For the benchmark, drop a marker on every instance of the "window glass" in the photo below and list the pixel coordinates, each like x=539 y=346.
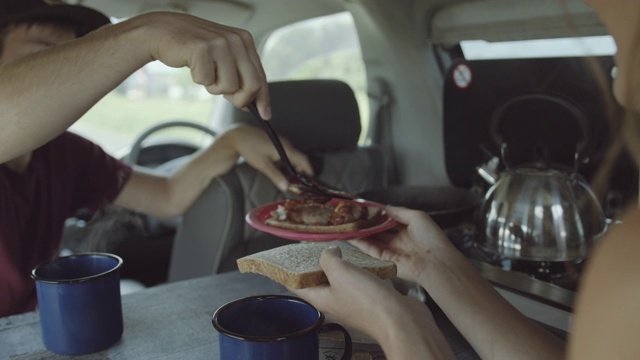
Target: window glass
x=543 y=48
x=154 y=94
x=326 y=47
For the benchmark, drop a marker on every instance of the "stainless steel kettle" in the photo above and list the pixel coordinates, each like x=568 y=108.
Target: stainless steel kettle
x=538 y=211
x=541 y=215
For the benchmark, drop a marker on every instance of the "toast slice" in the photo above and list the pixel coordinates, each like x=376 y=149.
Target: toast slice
x=373 y=214
x=297 y=266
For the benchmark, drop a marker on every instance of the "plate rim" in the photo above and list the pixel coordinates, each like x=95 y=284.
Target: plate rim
x=252 y=218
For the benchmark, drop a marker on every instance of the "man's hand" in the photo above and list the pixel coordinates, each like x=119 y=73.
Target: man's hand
x=222 y=58
x=61 y=83
x=253 y=144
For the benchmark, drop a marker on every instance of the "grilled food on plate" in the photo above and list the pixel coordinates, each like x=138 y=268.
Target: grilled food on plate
x=321 y=215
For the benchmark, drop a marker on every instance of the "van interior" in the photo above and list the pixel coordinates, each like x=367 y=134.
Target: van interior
x=408 y=102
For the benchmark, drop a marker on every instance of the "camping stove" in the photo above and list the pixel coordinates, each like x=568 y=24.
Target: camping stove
x=564 y=274
x=544 y=291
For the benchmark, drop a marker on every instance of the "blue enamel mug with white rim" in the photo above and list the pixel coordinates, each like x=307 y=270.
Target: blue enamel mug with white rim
x=79 y=302
x=272 y=327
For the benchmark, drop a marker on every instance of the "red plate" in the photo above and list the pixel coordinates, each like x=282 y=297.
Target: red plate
x=259 y=215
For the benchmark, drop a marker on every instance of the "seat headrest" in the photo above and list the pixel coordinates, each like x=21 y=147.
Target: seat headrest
x=315 y=115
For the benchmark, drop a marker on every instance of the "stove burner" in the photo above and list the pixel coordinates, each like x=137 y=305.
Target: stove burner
x=462 y=236
x=561 y=273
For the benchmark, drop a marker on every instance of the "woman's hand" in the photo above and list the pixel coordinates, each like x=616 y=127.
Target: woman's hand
x=351 y=294
x=403 y=326
x=418 y=239
x=424 y=255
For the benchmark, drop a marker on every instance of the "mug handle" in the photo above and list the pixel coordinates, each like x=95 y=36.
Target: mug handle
x=329 y=327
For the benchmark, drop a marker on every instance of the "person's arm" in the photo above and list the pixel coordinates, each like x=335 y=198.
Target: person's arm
x=167 y=196
x=403 y=326
x=494 y=328
x=607 y=316
x=42 y=94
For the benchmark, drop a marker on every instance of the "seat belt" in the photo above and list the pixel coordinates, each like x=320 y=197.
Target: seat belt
x=380 y=129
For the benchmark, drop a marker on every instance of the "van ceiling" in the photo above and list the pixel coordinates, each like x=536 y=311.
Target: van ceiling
x=257 y=16
x=507 y=20
x=450 y=21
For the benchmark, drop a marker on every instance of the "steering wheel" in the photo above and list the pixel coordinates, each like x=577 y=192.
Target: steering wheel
x=136 y=148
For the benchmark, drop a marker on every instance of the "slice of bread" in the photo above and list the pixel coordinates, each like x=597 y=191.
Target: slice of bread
x=373 y=213
x=297 y=266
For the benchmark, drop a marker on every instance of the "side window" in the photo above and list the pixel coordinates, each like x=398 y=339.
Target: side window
x=542 y=48
x=152 y=95
x=325 y=47
x=321 y=48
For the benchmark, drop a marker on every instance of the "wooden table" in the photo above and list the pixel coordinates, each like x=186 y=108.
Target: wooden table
x=171 y=321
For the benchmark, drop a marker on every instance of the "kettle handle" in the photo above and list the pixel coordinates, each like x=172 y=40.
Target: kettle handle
x=578 y=114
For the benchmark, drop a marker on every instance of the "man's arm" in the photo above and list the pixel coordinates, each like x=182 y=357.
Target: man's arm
x=171 y=195
x=167 y=196
x=43 y=94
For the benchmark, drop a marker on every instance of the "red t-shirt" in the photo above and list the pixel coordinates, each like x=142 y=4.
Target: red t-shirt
x=65 y=175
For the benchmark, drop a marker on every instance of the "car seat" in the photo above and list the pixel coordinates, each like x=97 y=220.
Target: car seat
x=320 y=118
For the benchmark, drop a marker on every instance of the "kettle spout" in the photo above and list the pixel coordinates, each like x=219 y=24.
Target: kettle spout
x=489 y=170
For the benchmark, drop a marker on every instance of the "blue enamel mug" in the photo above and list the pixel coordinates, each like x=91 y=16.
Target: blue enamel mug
x=272 y=327
x=79 y=302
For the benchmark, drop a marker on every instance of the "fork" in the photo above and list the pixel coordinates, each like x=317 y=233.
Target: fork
x=309 y=186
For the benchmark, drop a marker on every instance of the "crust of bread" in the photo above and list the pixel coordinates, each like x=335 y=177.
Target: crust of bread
x=297 y=266
x=373 y=211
